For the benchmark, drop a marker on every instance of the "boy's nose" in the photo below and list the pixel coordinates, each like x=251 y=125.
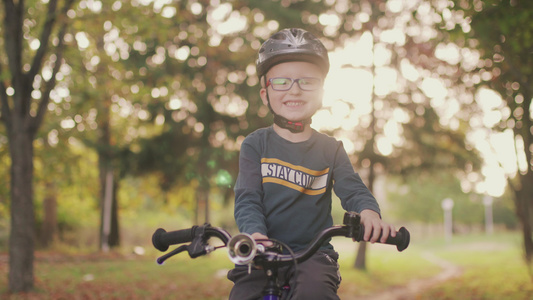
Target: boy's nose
x=295 y=88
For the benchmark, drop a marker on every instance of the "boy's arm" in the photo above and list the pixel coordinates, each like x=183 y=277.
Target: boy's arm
x=355 y=196
x=349 y=186
x=249 y=214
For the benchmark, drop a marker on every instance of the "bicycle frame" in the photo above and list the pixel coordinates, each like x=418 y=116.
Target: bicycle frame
x=244 y=251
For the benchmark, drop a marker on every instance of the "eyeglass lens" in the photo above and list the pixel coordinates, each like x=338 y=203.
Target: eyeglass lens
x=305 y=83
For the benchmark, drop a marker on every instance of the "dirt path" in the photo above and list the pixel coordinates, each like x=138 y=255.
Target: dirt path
x=414 y=287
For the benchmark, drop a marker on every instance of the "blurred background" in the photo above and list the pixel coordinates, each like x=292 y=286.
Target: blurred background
x=119 y=117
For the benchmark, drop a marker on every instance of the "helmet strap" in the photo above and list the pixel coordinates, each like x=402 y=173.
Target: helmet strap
x=292 y=126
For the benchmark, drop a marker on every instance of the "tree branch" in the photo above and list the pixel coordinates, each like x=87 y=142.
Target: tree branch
x=13 y=34
x=51 y=17
x=6 y=111
x=528 y=132
x=50 y=84
x=13 y=19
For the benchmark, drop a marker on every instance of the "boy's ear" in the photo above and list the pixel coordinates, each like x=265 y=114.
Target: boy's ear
x=263 y=94
x=321 y=97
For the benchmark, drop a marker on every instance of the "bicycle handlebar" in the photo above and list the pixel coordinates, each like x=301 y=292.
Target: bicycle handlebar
x=401 y=241
x=163 y=239
x=198 y=236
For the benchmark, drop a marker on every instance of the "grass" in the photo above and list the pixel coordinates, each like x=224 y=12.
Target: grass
x=385 y=268
x=492 y=269
x=126 y=277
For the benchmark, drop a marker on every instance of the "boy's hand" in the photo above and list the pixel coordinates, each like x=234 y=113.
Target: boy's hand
x=374 y=227
x=259 y=236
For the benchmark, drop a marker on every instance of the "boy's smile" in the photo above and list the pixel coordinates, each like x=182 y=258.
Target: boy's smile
x=293 y=103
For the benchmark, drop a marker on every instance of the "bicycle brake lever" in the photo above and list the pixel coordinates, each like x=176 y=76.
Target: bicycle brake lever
x=198 y=246
x=181 y=248
x=352 y=221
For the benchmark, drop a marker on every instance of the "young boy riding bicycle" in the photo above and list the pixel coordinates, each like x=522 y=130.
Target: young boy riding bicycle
x=287 y=172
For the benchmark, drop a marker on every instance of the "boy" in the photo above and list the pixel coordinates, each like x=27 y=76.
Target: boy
x=287 y=171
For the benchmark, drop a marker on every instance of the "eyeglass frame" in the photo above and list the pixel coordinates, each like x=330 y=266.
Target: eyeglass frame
x=297 y=80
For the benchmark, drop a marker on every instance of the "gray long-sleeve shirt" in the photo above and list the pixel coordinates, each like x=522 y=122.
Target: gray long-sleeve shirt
x=283 y=189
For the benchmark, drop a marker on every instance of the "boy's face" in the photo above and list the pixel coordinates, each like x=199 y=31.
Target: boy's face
x=294 y=104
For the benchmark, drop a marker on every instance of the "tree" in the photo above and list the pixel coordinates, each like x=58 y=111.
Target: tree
x=425 y=137
x=503 y=34
x=205 y=67
x=23 y=111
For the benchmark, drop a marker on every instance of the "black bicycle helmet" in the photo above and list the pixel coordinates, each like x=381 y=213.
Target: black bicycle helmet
x=292 y=44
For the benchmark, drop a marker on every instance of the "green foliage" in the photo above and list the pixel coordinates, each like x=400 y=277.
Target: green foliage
x=433 y=148
x=505 y=35
x=419 y=196
x=139 y=194
x=504 y=212
x=65 y=171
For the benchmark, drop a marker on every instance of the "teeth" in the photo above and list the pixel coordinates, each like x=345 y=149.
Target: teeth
x=293 y=103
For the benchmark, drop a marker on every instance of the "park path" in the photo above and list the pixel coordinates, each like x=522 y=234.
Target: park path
x=449 y=271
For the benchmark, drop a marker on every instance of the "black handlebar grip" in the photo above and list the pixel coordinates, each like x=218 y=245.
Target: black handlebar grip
x=162 y=239
x=401 y=240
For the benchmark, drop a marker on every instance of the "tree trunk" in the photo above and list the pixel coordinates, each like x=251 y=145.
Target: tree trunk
x=524 y=211
x=196 y=210
x=525 y=198
x=109 y=225
x=49 y=226
x=22 y=235
x=202 y=205
x=114 y=234
x=204 y=186
x=360 y=259
x=108 y=165
x=22 y=120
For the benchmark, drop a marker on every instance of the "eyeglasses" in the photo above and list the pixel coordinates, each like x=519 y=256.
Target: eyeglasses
x=285 y=84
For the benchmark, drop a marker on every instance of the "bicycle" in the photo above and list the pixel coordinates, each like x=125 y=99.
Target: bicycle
x=244 y=250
